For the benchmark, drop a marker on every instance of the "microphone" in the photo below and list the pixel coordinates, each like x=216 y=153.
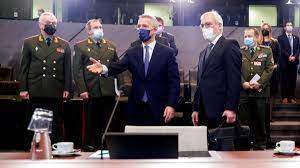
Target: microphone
x=118 y=93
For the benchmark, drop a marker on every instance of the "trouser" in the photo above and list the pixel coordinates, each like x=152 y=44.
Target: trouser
x=252 y=112
x=288 y=81
x=97 y=116
x=53 y=104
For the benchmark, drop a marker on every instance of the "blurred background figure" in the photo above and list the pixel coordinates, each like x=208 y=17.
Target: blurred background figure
x=40 y=12
x=162 y=33
x=288 y=63
x=268 y=40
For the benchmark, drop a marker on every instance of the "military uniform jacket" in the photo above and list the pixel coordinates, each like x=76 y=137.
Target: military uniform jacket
x=261 y=63
x=45 y=71
x=86 y=81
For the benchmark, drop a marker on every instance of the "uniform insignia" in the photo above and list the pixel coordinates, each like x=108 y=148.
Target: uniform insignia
x=89 y=50
x=257 y=63
x=55 y=40
x=40 y=38
x=262 y=56
x=89 y=41
x=103 y=41
x=36 y=48
x=111 y=48
x=60 y=50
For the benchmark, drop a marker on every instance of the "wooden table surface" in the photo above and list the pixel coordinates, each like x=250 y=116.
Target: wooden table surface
x=242 y=159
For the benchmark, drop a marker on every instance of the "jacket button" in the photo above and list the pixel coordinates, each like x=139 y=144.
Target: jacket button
x=54 y=62
x=44 y=61
x=251 y=68
x=53 y=76
x=54 y=69
x=44 y=68
x=44 y=75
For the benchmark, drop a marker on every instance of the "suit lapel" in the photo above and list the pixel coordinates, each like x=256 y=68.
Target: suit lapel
x=216 y=47
x=154 y=60
x=140 y=61
x=287 y=41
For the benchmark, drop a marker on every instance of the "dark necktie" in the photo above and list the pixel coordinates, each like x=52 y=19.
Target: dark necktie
x=48 y=41
x=202 y=60
x=252 y=51
x=208 y=50
x=98 y=44
x=146 y=65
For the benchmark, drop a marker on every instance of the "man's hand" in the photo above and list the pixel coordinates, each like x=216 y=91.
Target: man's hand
x=231 y=116
x=96 y=67
x=66 y=94
x=84 y=95
x=24 y=95
x=195 y=118
x=169 y=113
x=247 y=86
x=256 y=86
x=292 y=58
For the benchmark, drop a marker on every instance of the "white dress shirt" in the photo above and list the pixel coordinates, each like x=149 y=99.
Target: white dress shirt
x=150 y=50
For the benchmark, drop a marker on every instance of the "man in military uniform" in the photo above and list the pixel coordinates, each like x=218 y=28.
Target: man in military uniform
x=45 y=71
x=98 y=92
x=257 y=68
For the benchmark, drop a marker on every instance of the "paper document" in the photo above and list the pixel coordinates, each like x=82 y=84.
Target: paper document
x=255 y=78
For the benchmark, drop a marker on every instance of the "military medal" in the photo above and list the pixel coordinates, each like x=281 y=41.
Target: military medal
x=60 y=50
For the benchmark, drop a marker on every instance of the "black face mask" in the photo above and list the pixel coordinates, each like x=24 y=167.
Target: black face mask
x=50 y=29
x=265 y=32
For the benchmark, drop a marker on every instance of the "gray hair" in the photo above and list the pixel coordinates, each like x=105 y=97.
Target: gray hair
x=47 y=14
x=216 y=15
x=88 y=24
x=153 y=21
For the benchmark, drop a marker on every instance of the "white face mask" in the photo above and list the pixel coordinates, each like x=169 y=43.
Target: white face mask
x=208 y=34
x=97 y=34
x=289 y=29
x=159 y=30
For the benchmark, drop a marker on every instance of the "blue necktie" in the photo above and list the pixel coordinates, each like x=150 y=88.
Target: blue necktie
x=291 y=44
x=146 y=65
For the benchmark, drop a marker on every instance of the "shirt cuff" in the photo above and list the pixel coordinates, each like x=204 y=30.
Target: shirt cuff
x=105 y=70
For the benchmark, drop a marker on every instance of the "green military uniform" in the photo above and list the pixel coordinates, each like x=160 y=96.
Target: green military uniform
x=45 y=72
x=253 y=103
x=100 y=89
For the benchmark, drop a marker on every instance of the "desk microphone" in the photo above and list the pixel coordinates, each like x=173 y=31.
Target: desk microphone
x=118 y=93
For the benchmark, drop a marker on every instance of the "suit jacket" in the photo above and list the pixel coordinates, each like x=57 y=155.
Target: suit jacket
x=86 y=81
x=161 y=40
x=286 y=51
x=218 y=87
x=170 y=40
x=161 y=83
x=45 y=71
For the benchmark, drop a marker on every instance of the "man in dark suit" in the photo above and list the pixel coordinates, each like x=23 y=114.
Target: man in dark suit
x=98 y=92
x=288 y=62
x=219 y=75
x=155 y=86
x=162 y=33
x=45 y=71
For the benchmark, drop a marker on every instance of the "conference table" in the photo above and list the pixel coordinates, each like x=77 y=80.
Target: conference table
x=232 y=159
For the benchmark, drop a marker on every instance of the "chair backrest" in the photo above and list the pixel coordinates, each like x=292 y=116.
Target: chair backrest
x=6 y=74
x=190 y=138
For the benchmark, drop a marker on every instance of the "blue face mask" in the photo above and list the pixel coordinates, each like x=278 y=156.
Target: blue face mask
x=249 y=41
x=144 y=34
